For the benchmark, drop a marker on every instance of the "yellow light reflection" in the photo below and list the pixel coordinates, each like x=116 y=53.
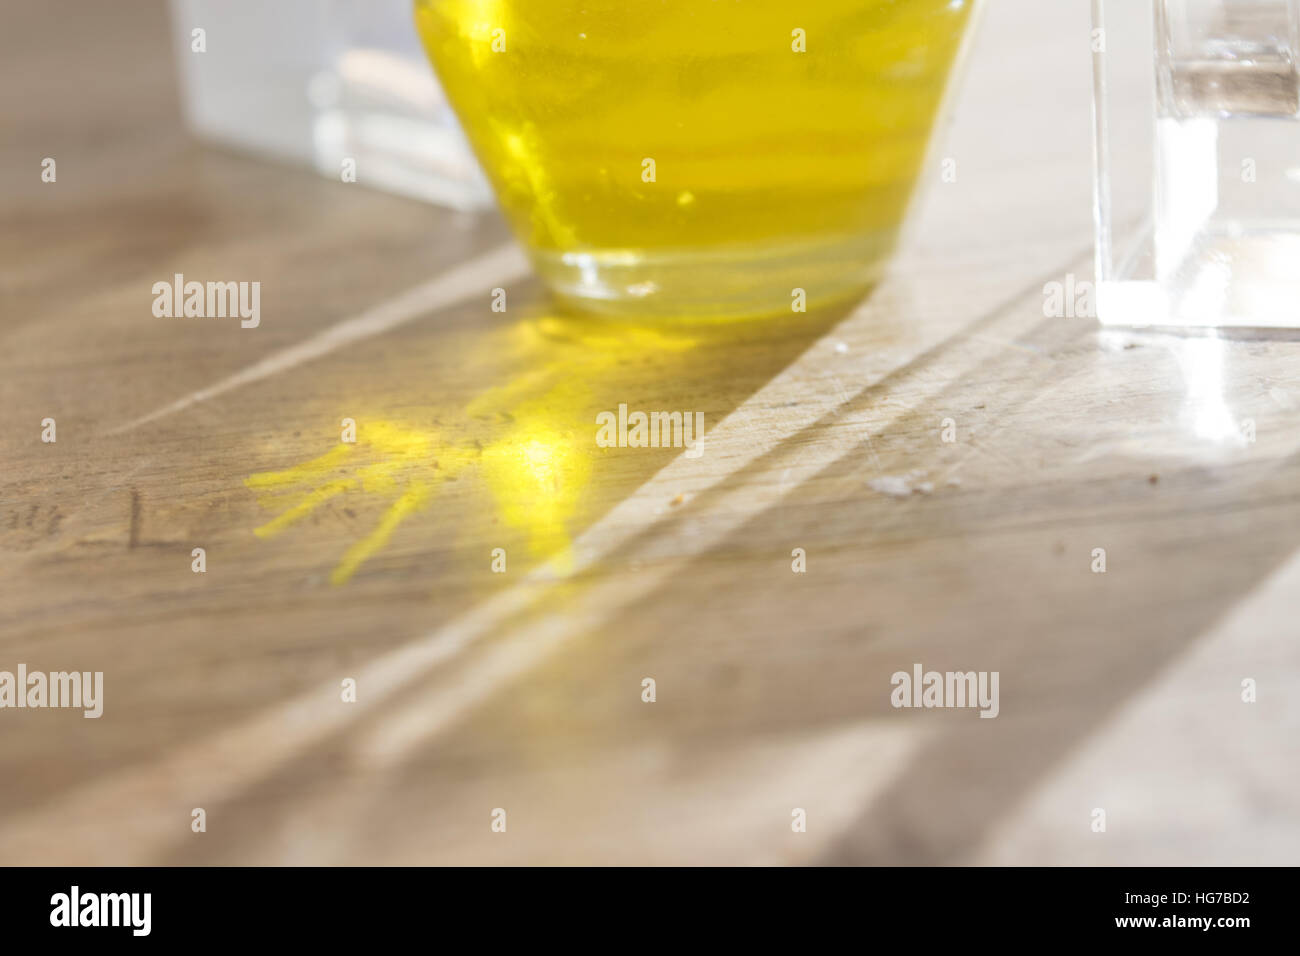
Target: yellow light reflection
x=530 y=441
x=400 y=464
x=536 y=474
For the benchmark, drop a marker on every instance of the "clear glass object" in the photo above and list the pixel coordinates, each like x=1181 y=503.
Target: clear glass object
x=1197 y=108
x=319 y=82
x=699 y=159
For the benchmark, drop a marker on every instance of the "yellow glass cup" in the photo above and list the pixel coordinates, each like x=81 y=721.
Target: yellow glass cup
x=698 y=158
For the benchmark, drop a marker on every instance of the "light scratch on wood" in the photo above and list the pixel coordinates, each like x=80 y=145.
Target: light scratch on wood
x=503 y=264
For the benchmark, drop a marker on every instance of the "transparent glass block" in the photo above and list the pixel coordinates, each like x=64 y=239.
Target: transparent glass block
x=319 y=82
x=1197 y=106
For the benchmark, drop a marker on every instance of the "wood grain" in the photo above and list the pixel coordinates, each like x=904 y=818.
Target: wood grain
x=476 y=431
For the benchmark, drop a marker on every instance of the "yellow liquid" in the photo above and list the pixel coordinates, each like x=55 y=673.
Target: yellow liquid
x=773 y=168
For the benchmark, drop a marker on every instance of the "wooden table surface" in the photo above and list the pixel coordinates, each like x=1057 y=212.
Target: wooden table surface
x=522 y=690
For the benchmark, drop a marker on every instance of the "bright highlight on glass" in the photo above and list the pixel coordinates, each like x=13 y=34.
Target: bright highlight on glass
x=1198 y=162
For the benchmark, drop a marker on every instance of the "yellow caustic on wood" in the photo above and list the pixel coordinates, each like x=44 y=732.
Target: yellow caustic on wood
x=531 y=442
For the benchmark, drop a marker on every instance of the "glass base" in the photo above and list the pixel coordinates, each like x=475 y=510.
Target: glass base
x=1233 y=278
x=736 y=281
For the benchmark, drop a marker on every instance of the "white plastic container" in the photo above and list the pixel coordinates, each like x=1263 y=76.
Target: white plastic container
x=340 y=85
